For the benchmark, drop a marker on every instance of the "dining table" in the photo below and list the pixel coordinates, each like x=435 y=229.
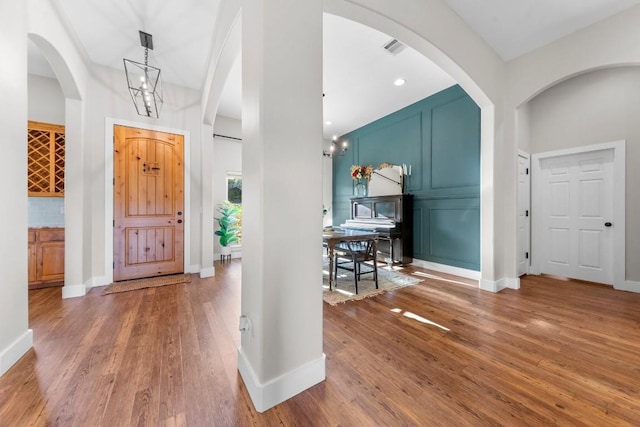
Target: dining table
x=333 y=236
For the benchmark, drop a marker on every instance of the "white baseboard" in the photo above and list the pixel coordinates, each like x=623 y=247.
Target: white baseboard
x=194 y=268
x=207 y=272
x=10 y=355
x=498 y=285
x=73 y=291
x=267 y=395
x=629 y=286
x=449 y=269
x=99 y=281
x=489 y=285
x=512 y=282
x=89 y=284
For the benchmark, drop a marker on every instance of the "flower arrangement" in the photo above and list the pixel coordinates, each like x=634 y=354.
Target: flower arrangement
x=361 y=172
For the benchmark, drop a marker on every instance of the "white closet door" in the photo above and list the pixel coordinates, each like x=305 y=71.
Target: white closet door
x=577 y=213
x=524 y=186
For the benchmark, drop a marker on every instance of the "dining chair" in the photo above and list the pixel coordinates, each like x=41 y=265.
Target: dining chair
x=358 y=257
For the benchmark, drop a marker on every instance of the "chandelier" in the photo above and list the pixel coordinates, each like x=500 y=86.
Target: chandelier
x=338 y=147
x=143 y=81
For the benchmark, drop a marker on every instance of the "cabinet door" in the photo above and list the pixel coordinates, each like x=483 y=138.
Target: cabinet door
x=50 y=261
x=32 y=263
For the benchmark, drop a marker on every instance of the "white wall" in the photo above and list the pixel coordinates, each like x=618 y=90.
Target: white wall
x=15 y=337
x=282 y=134
x=609 y=43
x=102 y=95
x=227 y=157
x=48 y=33
x=523 y=117
x=599 y=106
x=180 y=114
x=51 y=37
x=46 y=101
x=606 y=44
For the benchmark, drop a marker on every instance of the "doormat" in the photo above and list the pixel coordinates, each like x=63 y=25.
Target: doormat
x=150 y=282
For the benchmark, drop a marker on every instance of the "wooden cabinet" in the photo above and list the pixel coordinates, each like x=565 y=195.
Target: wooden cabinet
x=45 y=159
x=32 y=256
x=46 y=257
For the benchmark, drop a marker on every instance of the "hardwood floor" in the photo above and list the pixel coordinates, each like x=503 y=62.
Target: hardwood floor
x=436 y=353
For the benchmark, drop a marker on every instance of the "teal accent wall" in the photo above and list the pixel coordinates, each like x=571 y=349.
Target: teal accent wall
x=440 y=138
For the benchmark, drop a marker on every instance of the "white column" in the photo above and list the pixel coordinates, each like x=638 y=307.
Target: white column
x=74 y=170
x=487 y=199
x=496 y=233
x=206 y=232
x=15 y=337
x=509 y=171
x=281 y=353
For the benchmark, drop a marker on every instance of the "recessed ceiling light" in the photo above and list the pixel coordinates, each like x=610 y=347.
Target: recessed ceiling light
x=399 y=82
x=328 y=122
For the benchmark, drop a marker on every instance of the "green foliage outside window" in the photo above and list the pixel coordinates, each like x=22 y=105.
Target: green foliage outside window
x=234 y=189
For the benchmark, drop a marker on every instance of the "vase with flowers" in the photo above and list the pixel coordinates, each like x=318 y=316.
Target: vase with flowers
x=361 y=174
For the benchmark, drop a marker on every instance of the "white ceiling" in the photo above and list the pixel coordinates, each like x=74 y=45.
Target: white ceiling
x=359 y=75
x=358 y=72
x=515 y=27
x=107 y=31
x=358 y=78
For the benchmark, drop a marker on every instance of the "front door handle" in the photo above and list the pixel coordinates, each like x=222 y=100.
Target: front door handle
x=608 y=224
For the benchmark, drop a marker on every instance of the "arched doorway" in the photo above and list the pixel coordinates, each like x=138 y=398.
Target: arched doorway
x=73 y=200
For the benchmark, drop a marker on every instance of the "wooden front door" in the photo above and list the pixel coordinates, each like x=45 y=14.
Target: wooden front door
x=148 y=203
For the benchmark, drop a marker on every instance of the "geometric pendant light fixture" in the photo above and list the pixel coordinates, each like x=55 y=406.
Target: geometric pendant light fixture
x=143 y=81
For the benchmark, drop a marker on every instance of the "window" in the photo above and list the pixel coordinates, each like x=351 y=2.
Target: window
x=234 y=187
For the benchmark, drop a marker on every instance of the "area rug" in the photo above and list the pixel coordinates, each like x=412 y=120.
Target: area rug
x=345 y=291
x=151 y=282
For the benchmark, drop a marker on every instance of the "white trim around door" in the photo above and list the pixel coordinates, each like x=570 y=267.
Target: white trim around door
x=618 y=215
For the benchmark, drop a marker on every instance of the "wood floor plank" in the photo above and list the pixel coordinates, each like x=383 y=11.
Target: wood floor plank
x=120 y=405
x=441 y=352
x=145 y=410
x=171 y=393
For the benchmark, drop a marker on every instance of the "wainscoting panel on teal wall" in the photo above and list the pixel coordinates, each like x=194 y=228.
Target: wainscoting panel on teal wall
x=446 y=240
x=447 y=225
x=418 y=227
x=454 y=161
x=394 y=143
x=439 y=137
